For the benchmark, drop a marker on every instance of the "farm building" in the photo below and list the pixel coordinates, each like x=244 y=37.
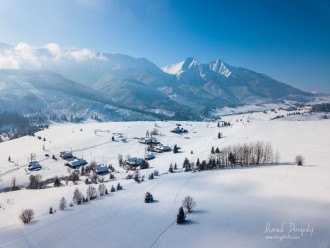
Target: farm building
x=66 y=155
x=149 y=156
x=162 y=148
x=179 y=130
x=76 y=162
x=34 y=165
x=100 y=169
x=148 y=141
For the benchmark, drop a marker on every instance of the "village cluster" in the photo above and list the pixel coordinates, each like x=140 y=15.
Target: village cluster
x=130 y=163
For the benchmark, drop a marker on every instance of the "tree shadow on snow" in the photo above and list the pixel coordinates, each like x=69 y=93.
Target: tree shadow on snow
x=190 y=222
x=154 y=201
x=201 y=211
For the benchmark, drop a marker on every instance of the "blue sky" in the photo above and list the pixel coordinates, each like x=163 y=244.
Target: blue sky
x=287 y=40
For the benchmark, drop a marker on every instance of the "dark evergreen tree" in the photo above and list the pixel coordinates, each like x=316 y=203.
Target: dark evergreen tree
x=231 y=158
x=212 y=150
x=175 y=166
x=50 y=210
x=113 y=188
x=175 y=149
x=119 y=187
x=217 y=150
x=170 y=170
x=9 y=159
x=181 y=217
x=198 y=164
x=53 y=157
x=186 y=162
x=148 y=198
x=219 y=135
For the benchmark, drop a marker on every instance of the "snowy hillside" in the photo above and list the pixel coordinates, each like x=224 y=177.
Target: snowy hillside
x=234 y=206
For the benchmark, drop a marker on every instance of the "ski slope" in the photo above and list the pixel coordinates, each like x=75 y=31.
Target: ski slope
x=233 y=205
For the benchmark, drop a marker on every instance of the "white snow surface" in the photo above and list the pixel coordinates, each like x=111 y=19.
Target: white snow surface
x=233 y=205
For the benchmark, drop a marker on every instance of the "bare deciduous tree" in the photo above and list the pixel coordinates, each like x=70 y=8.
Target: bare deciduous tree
x=77 y=196
x=188 y=203
x=26 y=216
x=120 y=159
x=300 y=160
x=63 y=203
x=91 y=192
x=102 y=189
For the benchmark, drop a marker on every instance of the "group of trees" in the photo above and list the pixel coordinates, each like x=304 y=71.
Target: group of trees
x=91 y=193
x=189 y=204
x=35 y=182
x=253 y=153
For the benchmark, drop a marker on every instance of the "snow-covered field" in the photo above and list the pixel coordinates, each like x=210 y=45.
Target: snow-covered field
x=234 y=206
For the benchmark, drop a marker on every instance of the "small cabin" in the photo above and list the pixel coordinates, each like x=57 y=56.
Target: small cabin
x=162 y=148
x=134 y=161
x=66 y=155
x=179 y=130
x=34 y=165
x=148 y=141
x=100 y=169
x=76 y=163
x=149 y=156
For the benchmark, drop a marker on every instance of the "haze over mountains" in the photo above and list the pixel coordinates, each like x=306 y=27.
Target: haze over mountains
x=52 y=80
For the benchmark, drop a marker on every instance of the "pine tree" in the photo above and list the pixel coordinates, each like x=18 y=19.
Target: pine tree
x=148 y=198
x=113 y=188
x=175 y=149
x=181 y=217
x=170 y=170
x=217 y=150
x=212 y=150
x=9 y=159
x=50 y=210
x=175 y=166
x=219 y=135
x=119 y=187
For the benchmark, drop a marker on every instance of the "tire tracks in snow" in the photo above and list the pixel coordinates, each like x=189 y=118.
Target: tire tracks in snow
x=169 y=226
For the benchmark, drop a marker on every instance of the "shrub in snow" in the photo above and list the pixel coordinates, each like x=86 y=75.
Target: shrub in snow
x=188 y=203
x=62 y=204
x=156 y=172
x=151 y=176
x=26 y=216
x=137 y=177
x=129 y=176
x=57 y=182
x=181 y=217
x=50 y=210
x=299 y=160
x=148 y=198
x=113 y=188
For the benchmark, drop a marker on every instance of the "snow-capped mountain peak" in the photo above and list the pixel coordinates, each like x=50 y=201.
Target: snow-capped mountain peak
x=218 y=66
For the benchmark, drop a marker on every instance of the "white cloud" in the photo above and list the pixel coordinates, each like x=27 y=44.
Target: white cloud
x=30 y=57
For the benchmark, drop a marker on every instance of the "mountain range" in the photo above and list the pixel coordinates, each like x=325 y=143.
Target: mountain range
x=53 y=80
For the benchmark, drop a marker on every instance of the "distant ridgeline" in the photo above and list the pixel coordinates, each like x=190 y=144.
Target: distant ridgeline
x=14 y=125
x=323 y=107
